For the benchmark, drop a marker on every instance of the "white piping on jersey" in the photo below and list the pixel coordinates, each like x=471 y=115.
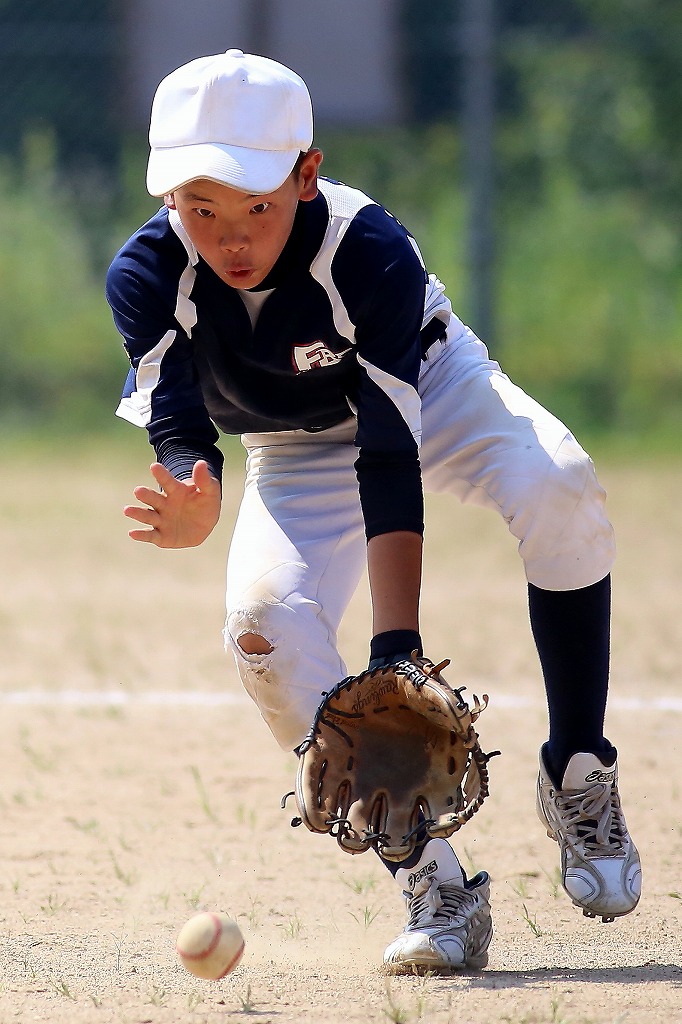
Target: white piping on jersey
x=137 y=407
x=343 y=204
x=185 y=309
x=404 y=397
x=176 y=224
x=414 y=245
x=436 y=302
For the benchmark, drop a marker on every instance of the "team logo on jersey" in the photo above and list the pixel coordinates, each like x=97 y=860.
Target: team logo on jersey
x=314 y=355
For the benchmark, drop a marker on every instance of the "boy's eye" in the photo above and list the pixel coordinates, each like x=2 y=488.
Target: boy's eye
x=203 y=213
x=260 y=207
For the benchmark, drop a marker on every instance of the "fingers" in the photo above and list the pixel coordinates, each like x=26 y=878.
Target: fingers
x=145 y=536
x=148 y=516
x=182 y=513
x=202 y=476
x=156 y=500
x=164 y=477
x=150 y=497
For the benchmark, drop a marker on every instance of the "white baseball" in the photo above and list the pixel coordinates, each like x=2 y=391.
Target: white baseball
x=210 y=945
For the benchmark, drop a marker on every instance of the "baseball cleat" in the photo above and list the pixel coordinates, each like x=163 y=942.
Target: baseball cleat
x=600 y=866
x=449 y=925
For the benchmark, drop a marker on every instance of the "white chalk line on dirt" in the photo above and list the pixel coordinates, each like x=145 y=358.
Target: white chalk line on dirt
x=208 y=699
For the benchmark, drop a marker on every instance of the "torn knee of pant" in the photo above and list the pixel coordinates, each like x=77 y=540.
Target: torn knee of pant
x=254 y=643
x=248 y=633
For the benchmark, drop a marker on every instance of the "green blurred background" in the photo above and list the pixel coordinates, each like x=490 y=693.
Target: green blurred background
x=587 y=204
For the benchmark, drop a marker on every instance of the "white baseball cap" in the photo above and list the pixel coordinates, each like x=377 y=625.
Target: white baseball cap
x=235 y=118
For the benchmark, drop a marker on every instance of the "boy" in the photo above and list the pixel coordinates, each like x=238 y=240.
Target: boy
x=297 y=312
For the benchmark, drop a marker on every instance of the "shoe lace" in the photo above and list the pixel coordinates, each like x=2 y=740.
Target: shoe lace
x=594 y=816
x=439 y=904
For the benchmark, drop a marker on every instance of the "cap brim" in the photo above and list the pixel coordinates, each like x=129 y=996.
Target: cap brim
x=249 y=170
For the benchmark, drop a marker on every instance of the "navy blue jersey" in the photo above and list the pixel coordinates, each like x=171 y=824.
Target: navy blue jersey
x=348 y=317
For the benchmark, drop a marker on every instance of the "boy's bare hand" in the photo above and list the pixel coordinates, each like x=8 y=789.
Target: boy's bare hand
x=181 y=515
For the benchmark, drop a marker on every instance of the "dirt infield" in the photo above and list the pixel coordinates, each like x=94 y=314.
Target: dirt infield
x=138 y=784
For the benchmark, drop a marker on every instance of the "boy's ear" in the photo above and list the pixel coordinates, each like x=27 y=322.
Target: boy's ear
x=169 y=201
x=307 y=174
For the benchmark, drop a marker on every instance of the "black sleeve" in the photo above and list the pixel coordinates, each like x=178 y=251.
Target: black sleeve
x=391 y=492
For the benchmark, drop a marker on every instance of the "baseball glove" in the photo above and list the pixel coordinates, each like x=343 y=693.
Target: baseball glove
x=390 y=753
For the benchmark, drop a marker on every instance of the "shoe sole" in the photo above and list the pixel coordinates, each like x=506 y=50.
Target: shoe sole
x=427 y=970
x=421 y=967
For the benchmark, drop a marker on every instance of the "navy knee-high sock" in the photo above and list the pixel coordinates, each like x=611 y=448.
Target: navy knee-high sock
x=572 y=634
x=410 y=861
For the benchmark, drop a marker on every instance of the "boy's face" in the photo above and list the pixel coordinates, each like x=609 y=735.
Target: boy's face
x=241 y=236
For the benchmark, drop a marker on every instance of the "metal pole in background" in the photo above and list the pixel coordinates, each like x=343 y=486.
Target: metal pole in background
x=478 y=124
x=258 y=16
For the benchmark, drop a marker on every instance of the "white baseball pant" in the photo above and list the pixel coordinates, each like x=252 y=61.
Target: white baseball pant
x=298 y=548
